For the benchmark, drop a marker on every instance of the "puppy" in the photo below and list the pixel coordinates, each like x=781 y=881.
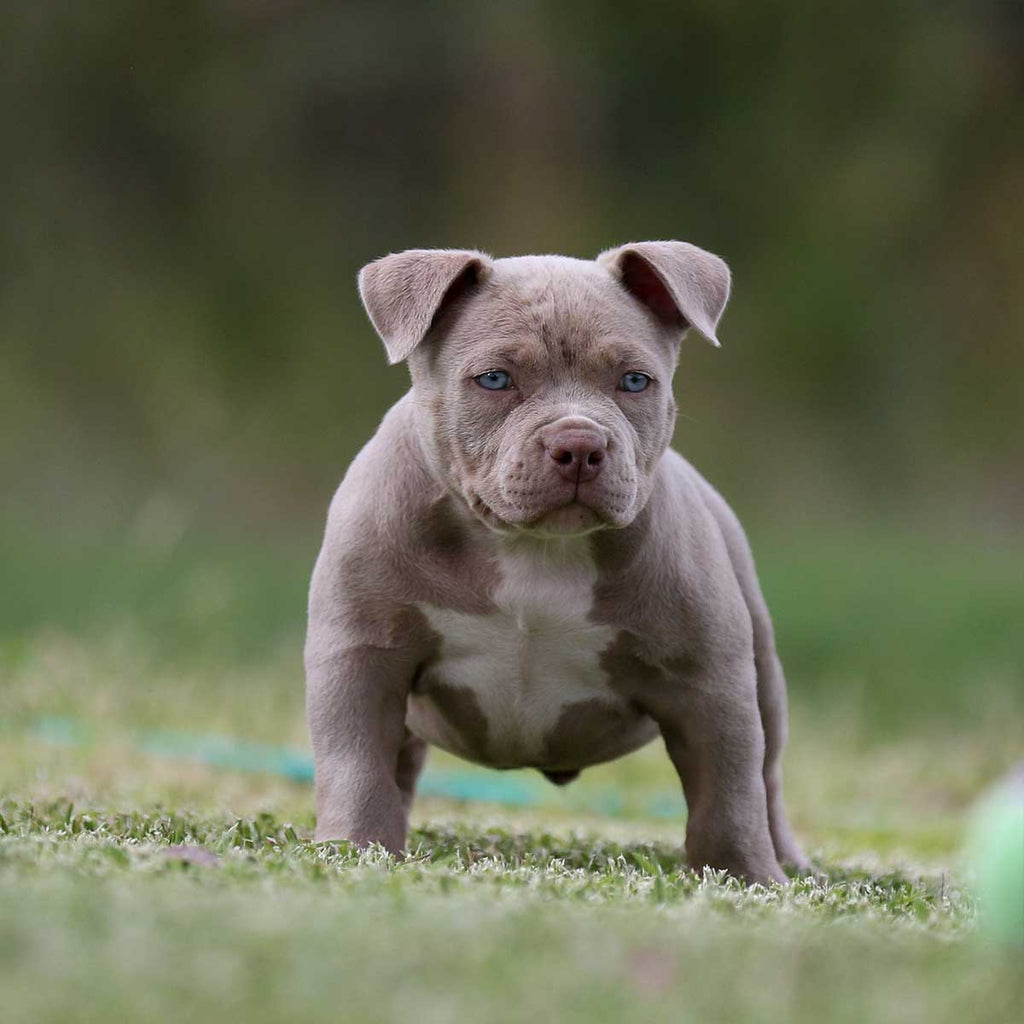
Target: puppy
x=518 y=569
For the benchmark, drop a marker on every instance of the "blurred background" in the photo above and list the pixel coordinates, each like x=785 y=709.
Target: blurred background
x=187 y=192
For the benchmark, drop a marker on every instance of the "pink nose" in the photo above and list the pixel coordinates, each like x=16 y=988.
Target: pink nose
x=578 y=453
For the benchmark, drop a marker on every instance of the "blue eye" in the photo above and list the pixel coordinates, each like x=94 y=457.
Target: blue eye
x=494 y=380
x=634 y=381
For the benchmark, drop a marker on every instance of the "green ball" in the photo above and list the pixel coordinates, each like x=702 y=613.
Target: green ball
x=997 y=858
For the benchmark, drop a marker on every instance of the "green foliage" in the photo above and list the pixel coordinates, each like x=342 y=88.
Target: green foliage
x=903 y=628
x=187 y=198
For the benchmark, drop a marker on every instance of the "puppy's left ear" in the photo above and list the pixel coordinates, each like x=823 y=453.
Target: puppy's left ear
x=406 y=292
x=680 y=284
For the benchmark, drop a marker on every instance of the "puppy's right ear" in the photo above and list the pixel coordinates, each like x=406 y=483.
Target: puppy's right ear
x=680 y=284
x=406 y=292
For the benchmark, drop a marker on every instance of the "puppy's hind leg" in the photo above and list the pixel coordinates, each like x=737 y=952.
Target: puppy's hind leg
x=771 y=698
x=411 y=757
x=771 y=682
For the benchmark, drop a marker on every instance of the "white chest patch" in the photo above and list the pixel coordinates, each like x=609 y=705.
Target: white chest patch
x=536 y=654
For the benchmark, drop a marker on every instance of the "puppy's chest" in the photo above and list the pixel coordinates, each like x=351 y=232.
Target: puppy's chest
x=520 y=667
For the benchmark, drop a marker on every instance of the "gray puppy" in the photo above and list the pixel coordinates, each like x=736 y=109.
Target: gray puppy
x=518 y=569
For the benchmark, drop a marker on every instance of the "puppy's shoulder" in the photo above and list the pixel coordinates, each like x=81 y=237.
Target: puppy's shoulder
x=721 y=515
x=692 y=505
x=394 y=534
x=386 y=488
x=695 y=534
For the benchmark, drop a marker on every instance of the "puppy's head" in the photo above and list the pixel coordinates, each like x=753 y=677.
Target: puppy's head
x=546 y=381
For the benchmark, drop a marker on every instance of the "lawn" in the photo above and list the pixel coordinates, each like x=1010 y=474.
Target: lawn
x=138 y=882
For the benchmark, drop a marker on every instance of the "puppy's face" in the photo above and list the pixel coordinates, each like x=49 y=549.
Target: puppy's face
x=550 y=396
x=547 y=383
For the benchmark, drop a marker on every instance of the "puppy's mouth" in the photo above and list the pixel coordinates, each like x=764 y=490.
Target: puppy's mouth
x=573 y=517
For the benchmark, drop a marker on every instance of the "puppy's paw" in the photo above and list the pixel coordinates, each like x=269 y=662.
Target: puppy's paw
x=750 y=861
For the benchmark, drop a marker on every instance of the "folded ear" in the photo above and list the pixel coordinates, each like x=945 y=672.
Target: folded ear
x=681 y=284
x=405 y=293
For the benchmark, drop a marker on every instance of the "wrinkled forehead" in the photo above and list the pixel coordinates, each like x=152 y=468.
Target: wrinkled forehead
x=554 y=310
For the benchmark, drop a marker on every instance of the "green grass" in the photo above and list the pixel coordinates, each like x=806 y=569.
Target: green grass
x=104 y=915
x=905 y=673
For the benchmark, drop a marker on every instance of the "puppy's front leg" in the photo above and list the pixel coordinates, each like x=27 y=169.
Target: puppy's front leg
x=712 y=729
x=356 y=706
